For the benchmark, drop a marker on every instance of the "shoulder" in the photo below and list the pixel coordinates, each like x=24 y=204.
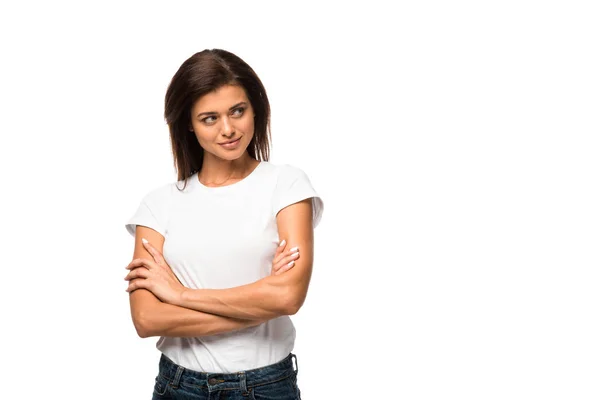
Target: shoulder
x=163 y=190
x=162 y=194
x=294 y=185
x=284 y=172
x=154 y=209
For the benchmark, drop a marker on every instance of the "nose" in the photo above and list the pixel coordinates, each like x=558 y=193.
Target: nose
x=227 y=128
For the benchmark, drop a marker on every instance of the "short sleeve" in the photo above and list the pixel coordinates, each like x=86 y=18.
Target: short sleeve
x=152 y=212
x=293 y=185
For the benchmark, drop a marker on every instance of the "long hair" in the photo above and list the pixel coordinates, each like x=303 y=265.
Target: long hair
x=200 y=74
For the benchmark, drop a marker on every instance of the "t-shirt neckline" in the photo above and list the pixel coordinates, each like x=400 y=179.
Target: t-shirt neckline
x=197 y=184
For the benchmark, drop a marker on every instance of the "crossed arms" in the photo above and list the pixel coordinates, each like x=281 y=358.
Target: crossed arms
x=201 y=312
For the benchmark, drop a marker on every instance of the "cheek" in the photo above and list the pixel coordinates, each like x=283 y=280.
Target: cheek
x=202 y=132
x=247 y=125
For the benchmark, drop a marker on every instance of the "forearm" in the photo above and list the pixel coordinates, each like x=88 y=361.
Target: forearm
x=262 y=300
x=154 y=318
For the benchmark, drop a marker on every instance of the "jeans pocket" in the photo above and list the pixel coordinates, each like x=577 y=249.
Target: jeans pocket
x=279 y=390
x=294 y=384
x=160 y=386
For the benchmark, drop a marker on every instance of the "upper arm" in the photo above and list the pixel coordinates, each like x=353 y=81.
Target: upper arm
x=295 y=225
x=149 y=221
x=141 y=300
x=298 y=209
x=156 y=240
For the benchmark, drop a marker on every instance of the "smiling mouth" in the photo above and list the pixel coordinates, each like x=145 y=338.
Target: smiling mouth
x=232 y=141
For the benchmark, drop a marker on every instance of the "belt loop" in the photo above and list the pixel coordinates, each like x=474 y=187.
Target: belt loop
x=243 y=387
x=295 y=362
x=175 y=381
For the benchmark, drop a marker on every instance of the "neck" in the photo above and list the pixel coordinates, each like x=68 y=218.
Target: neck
x=216 y=171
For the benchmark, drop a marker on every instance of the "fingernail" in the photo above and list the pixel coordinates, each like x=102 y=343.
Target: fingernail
x=282 y=243
x=144 y=241
x=291 y=263
x=293 y=249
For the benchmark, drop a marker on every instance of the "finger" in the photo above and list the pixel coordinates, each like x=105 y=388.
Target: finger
x=282 y=244
x=286 y=260
x=286 y=267
x=280 y=247
x=157 y=255
x=153 y=252
x=280 y=256
x=141 y=262
x=136 y=284
x=293 y=254
x=137 y=273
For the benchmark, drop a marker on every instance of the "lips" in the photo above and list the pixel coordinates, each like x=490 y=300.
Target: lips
x=232 y=145
x=231 y=141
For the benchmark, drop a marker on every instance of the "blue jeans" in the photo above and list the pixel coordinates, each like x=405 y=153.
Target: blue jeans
x=275 y=381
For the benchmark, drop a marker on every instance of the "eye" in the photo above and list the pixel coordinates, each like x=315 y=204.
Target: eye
x=238 y=112
x=209 y=120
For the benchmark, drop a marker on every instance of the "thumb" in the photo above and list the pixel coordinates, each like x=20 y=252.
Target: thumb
x=158 y=258
x=280 y=247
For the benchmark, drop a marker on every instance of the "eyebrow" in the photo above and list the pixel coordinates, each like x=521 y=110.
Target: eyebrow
x=242 y=103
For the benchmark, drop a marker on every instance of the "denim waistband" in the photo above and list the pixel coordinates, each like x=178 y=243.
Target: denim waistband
x=178 y=375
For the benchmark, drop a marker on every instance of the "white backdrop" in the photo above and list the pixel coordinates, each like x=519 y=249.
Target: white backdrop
x=455 y=145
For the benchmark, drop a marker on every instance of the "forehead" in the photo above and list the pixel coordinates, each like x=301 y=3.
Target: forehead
x=220 y=99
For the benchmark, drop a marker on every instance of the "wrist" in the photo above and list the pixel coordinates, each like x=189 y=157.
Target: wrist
x=181 y=300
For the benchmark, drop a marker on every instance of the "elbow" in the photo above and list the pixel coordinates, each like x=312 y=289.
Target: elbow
x=292 y=302
x=292 y=309
x=142 y=324
x=143 y=333
x=284 y=298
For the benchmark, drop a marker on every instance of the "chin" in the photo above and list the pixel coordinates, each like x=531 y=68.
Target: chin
x=232 y=155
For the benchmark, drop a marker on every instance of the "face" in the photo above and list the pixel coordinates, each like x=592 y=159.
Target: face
x=223 y=116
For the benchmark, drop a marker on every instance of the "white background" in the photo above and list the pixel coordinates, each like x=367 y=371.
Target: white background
x=455 y=145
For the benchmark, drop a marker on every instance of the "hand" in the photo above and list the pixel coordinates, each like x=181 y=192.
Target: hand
x=156 y=255
x=284 y=261
x=154 y=275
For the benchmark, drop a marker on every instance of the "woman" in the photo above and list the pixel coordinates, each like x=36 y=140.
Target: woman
x=221 y=263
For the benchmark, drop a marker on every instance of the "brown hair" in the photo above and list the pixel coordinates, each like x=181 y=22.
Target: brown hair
x=200 y=74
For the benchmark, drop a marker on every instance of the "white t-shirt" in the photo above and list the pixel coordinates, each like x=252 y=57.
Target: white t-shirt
x=222 y=237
